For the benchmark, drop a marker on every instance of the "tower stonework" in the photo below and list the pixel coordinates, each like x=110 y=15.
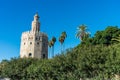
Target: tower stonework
x=34 y=43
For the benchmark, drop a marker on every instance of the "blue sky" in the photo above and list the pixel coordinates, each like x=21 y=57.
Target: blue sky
x=55 y=16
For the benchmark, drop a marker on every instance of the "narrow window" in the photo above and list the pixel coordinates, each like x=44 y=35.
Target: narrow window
x=36 y=38
x=37 y=43
x=30 y=54
x=30 y=43
x=43 y=56
x=24 y=43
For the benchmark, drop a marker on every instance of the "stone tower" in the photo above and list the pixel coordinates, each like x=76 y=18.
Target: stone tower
x=34 y=43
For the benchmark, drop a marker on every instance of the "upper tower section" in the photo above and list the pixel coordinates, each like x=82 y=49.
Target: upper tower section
x=35 y=23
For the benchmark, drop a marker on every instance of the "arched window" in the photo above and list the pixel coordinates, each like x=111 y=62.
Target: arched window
x=43 y=56
x=30 y=54
x=36 y=38
x=37 y=43
x=30 y=43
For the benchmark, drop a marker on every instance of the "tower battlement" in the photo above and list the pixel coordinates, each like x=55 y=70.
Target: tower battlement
x=38 y=33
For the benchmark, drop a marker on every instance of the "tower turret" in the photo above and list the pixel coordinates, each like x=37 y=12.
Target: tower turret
x=36 y=23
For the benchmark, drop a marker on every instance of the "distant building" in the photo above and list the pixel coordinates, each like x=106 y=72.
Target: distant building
x=34 y=43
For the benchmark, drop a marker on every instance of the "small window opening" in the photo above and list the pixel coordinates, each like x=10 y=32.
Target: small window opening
x=30 y=43
x=43 y=56
x=37 y=43
x=30 y=54
x=36 y=38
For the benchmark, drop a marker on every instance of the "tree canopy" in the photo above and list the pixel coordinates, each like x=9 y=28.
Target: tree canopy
x=104 y=37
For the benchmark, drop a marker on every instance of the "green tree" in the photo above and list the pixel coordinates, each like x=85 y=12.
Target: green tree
x=50 y=46
x=53 y=43
x=16 y=68
x=82 y=32
x=62 y=39
x=106 y=36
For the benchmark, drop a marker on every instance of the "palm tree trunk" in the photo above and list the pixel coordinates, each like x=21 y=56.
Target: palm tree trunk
x=50 y=52
x=53 y=51
x=61 y=48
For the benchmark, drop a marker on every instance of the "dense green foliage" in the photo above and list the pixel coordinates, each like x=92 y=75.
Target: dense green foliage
x=104 y=37
x=95 y=61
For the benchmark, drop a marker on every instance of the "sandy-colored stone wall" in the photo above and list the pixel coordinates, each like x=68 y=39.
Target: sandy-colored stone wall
x=34 y=43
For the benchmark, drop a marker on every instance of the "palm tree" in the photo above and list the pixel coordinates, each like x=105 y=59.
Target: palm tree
x=50 y=46
x=64 y=35
x=53 y=42
x=82 y=32
x=62 y=39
